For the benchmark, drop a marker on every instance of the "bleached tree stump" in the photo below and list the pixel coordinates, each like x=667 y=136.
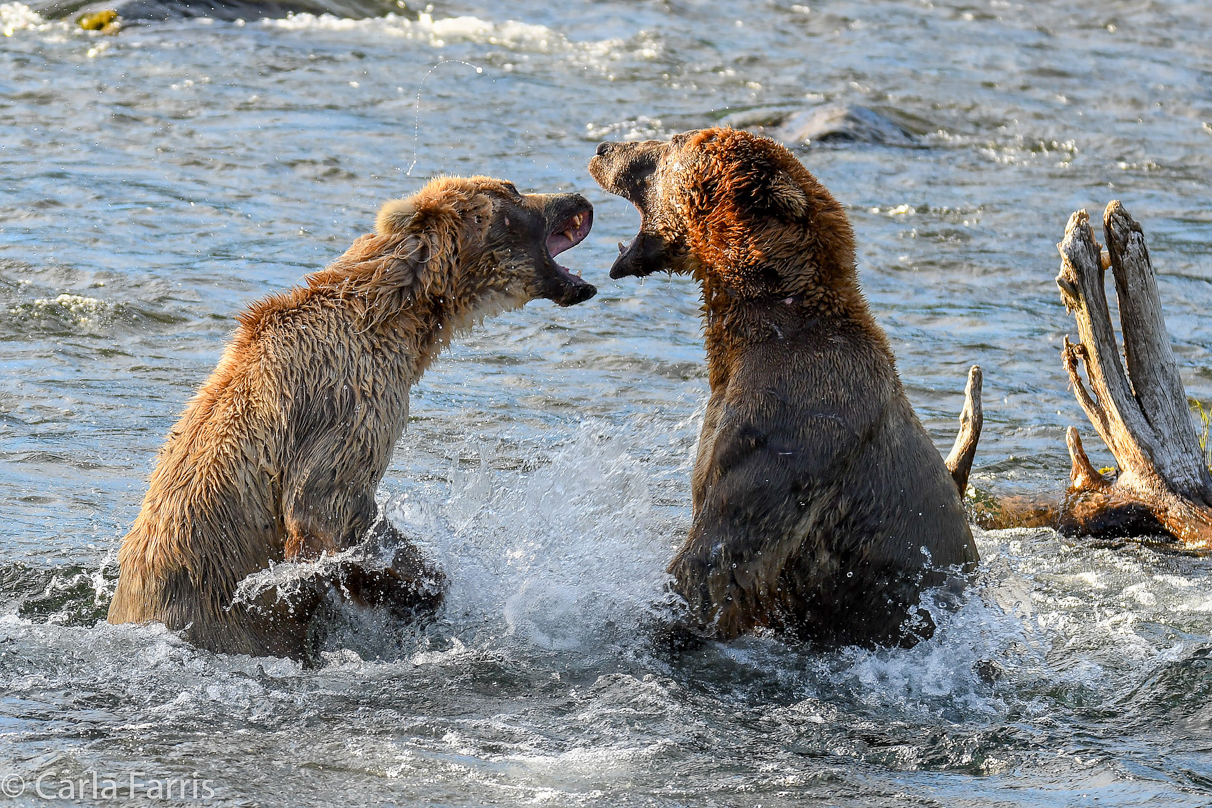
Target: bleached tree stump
x=1140 y=412
x=959 y=462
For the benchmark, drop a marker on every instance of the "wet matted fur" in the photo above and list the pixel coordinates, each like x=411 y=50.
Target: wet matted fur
x=820 y=505
x=278 y=456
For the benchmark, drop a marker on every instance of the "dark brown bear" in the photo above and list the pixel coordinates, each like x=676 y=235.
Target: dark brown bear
x=278 y=456
x=821 y=507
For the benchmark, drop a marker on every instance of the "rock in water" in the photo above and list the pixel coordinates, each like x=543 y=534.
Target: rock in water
x=760 y=118
x=831 y=123
x=106 y=20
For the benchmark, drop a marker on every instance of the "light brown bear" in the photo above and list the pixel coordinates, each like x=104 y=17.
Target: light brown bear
x=278 y=455
x=821 y=507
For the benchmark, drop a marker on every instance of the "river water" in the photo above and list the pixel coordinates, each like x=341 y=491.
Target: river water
x=157 y=181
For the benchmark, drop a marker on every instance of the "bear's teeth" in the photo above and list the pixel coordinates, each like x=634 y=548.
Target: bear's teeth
x=569 y=235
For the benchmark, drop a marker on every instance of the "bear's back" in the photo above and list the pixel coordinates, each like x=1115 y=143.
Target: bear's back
x=811 y=454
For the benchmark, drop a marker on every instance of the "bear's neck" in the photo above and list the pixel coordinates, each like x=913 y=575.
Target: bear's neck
x=422 y=323
x=422 y=328
x=734 y=325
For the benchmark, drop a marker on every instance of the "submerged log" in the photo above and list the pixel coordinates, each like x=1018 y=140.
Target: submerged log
x=1140 y=411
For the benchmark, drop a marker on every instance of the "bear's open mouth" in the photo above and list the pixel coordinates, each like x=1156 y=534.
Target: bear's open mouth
x=569 y=219
x=641 y=256
x=568 y=234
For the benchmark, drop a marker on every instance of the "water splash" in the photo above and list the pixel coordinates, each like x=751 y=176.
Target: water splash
x=569 y=554
x=416 y=124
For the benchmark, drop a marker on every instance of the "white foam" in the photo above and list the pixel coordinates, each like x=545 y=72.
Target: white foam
x=17 y=17
x=639 y=128
x=438 y=33
x=75 y=309
x=77 y=305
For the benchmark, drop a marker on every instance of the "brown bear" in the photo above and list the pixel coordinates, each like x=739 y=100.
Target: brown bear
x=278 y=455
x=821 y=507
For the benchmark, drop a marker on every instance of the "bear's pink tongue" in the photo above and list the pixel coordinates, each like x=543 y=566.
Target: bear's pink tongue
x=569 y=233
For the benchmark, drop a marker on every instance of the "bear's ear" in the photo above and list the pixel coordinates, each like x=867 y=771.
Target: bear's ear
x=478 y=212
x=394 y=217
x=785 y=193
x=406 y=265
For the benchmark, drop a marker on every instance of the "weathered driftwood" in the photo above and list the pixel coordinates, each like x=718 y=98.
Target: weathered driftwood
x=1162 y=484
x=972 y=418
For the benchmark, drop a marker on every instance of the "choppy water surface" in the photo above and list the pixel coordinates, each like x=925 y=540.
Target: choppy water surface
x=156 y=181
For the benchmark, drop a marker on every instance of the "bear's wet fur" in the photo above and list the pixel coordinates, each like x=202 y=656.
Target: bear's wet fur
x=821 y=508
x=278 y=456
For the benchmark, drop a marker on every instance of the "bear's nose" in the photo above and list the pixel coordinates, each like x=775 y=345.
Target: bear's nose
x=604 y=147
